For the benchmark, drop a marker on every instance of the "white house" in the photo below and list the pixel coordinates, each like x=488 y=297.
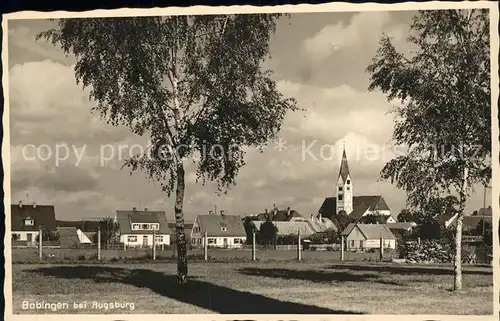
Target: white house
x=136 y=228
x=27 y=219
x=367 y=236
x=223 y=231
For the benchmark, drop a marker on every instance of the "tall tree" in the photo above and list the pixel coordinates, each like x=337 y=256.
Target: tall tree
x=193 y=84
x=405 y=216
x=443 y=115
x=341 y=220
x=267 y=232
x=109 y=230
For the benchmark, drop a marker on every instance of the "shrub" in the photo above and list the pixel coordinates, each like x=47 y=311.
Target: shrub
x=428 y=251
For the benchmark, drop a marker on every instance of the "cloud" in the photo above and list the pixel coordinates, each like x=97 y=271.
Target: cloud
x=332 y=112
x=363 y=28
x=22 y=44
x=45 y=93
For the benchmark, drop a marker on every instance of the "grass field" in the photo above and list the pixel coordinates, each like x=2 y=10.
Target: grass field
x=256 y=288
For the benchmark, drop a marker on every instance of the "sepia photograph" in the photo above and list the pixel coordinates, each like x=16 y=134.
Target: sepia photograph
x=297 y=160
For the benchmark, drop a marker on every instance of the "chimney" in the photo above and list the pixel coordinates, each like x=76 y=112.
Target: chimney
x=222 y=212
x=20 y=204
x=288 y=211
x=134 y=208
x=34 y=204
x=145 y=209
x=320 y=217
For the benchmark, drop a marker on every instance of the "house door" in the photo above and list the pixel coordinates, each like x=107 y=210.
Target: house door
x=225 y=243
x=29 y=237
x=145 y=240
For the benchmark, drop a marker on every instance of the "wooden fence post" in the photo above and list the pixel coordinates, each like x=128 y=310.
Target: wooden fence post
x=205 y=246
x=154 y=245
x=299 y=254
x=342 y=248
x=381 y=249
x=99 y=243
x=253 y=246
x=40 y=240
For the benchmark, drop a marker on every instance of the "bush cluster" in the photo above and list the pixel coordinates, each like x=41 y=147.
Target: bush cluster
x=428 y=251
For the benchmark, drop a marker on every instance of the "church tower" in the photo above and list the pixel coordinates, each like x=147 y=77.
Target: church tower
x=344 y=187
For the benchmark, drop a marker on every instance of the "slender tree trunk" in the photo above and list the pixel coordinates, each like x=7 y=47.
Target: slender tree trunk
x=457 y=285
x=182 y=268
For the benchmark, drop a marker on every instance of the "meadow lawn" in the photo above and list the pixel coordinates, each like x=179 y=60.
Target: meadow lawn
x=265 y=287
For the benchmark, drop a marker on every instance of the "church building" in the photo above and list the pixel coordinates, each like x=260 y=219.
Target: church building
x=356 y=207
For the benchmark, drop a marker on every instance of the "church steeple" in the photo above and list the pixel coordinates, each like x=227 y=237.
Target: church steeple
x=344 y=167
x=344 y=187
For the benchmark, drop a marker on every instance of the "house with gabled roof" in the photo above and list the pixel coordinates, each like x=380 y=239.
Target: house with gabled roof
x=367 y=236
x=27 y=219
x=222 y=230
x=355 y=206
x=136 y=228
x=278 y=215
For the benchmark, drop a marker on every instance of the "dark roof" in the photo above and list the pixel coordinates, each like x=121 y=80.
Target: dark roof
x=445 y=217
x=471 y=222
x=43 y=215
x=348 y=229
x=360 y=205
x=187 y=225
x=212 y=225
x=401 y=225
x=370 y=231
x=83 y=225
x=344 y=167
x=125 y=219
x=485 y=211
x=328 y=207
x=278 y=215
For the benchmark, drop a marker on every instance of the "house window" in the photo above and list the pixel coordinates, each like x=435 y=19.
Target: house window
x=236 y=241
x=136 y=226
x=155 y=227
x=348 y=188
x=223 y=229
x=352 y=244
x=159 y=238
x=131 y=238
x=145 y=226
x=340 y=197
x=211 y=241
x=29 y=222
x=340 y=188
x=193 y=241
x=348 y=181
x=361 y=244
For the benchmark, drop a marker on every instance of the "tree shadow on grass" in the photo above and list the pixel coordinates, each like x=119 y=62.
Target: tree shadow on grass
x=316 y=276
x=407 y=270
x=200 y=293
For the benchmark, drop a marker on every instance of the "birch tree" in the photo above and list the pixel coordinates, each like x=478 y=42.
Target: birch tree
x=443 y=109
x=193 y=84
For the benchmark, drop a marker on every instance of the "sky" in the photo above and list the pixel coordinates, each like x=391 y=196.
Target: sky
x=318 y=58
